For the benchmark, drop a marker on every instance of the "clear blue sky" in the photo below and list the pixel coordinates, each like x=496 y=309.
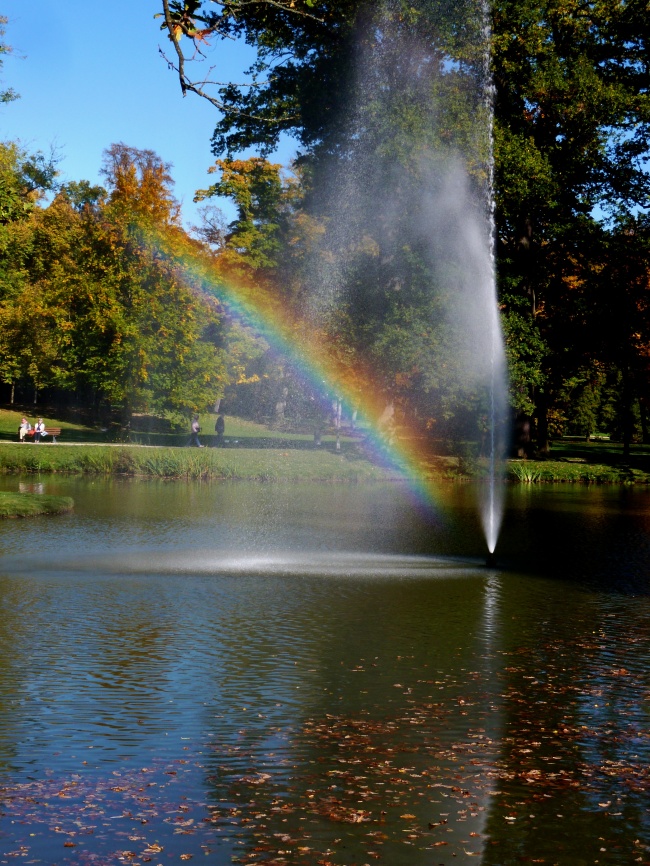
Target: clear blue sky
x=89 y=74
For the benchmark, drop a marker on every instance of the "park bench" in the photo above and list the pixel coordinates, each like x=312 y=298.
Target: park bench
x=53 y=432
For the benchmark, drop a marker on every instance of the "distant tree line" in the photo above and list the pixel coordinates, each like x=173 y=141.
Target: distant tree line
x=571 y=112
x=93 y=310
x=382 y=98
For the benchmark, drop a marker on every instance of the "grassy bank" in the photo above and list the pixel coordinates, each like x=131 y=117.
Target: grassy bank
x=257 y=452
x=150 y=430
x=292 y=464
x=33 y=504
x=560 y=472
x=212 y=463
x=583 y=462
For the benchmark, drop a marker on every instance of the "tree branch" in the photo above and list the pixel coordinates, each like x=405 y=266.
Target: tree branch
x=173 y=27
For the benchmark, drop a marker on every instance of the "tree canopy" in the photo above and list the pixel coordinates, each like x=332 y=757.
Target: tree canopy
x=570 y=175
x=92 y=300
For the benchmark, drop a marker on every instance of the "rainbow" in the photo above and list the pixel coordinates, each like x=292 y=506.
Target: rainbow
x=256 y=304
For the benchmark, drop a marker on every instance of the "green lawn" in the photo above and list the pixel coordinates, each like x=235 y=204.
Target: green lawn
x=599 y=462
x=147 y=430
x=10 y=422
x=33 y=504
x=254 y=451
x=231 y=462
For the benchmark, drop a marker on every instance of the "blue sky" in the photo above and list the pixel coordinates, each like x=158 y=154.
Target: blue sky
x=89 y=79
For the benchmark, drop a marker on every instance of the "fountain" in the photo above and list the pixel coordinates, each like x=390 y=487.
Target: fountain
x=322 y=673
x=409 y=250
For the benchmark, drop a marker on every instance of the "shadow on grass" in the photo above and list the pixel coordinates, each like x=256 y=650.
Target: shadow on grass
x=601 y=453
x=181 y=440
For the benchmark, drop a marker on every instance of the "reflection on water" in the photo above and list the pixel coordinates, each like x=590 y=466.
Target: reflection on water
x=324 y=675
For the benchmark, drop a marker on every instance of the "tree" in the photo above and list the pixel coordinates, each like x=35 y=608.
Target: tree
x=164 y=353
x=7 y=95
x=621 y=321
x=304 y=78
x=257 y=190
x=94 y=298
x=377 y=271
x=24 y=179
x=292 y=37
x=571 y=135
x=571 y=130
x=140 y=186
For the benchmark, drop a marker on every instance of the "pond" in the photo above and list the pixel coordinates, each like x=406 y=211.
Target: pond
x=324 y=674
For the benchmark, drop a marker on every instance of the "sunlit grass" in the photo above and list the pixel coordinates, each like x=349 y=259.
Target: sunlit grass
x=33 y=504
x=554 y=472
x=10 y=422
x=254 y=451
x=160 y=462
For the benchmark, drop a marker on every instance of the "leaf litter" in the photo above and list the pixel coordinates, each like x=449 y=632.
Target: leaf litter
x=483 y=772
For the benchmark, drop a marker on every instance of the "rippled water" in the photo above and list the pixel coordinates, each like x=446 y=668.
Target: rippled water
x=324 y=675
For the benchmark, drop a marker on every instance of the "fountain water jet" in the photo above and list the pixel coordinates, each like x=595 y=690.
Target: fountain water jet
x=411 y=202
x=492 y=502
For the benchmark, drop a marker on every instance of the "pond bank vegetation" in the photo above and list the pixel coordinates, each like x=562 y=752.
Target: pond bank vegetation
x=253 y=464
x=33 y=504
x=257 y=452
x=297 y=463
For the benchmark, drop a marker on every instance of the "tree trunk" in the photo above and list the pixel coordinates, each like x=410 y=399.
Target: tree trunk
x=541 y=414
x=13 y=390
x=337 y=421
x=386 y=423
x=627 y=415
x=126 y=415
x=643 y=413
x=281 y=405
x=522 y=443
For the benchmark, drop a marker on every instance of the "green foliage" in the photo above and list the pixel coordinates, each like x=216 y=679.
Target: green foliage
x=525 y=350
x=259 y=194
x=7 y=95
x=91 y=299
x=572 y=126
x=571 y=134
x=24 y=177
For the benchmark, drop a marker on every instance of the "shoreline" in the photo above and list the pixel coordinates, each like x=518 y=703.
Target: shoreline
x=155 y=461
x=286 y=464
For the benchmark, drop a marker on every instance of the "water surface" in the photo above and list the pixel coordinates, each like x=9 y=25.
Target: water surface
x=324 y=674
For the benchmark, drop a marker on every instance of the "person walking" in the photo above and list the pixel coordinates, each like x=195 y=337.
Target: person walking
x=219 y=429
x=194 y=434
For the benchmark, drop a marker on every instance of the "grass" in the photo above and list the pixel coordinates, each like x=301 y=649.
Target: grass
x=583 y=462
x=256 y=452
x=10 y=422
x=557 y=472
x=149 y=430
x=213 y=463
x=33 y=504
